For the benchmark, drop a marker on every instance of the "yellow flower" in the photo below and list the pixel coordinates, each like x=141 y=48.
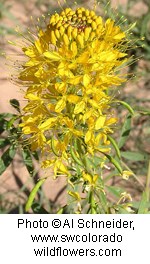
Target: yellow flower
x=70 y=70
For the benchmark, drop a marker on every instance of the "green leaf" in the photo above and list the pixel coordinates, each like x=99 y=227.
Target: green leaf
x=15 y=103
x=38 y=209
x=33 y=194
x=27 y=158
x=3 y=125
x=116 y=191
x=7 y=158
x=103 y=200
x=125 y=131
x=6 y=115
x=74 y=156
x=143 y=204
x=35 y=155
x=122 y=210
x=4 y=142
x=134 y=156
x=10 y=123
x=127 y=106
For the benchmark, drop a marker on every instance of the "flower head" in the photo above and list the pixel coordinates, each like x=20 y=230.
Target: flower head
x=70 y=70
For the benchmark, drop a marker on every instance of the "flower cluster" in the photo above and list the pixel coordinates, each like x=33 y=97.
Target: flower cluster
x=71 y=69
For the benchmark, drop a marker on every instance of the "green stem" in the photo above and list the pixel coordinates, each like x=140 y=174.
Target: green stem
x=147 y=188
x=92 y=202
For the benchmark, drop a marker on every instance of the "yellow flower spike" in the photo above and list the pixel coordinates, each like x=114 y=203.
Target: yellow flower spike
x=70 y=70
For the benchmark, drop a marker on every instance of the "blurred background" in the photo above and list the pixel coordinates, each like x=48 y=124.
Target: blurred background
x=15 y=180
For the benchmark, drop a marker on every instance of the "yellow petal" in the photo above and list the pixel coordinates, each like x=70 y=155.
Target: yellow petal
x=32 y=97
x=60 y=87
x=71 y=98
x=87 y=177
x=74 y=48
x=83 y=58
x=29 y=129
x=52 y=55
x=95 y=177
x=88 y=136
x=66 y=39
x=119 y=36
x=111 y=121
x=86 y=80
x=39 y=46
x=126 y=174
x=74 y=195
x=48 y=123
x=75 y=80
x=87 y=33
x=53 y=37
x=60 y=105
x=80 y=40
x=79 y=107
x=100 y=122
x=60 y=167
